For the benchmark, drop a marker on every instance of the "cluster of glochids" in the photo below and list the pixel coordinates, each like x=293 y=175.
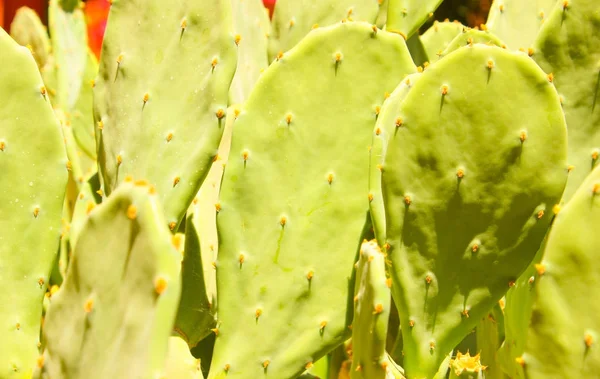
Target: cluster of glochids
x=192 y=204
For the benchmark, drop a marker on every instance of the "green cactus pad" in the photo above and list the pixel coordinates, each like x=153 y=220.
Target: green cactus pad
x=180 y=363
x=32 y=186
x=517 y=314
x=294 y=201
x=382 y=14
x=387 y=124
x=470 y=37
x=251 y=26
x=568 y=46
x=490 y=331
x=161 y=95
x=81 y=116
x=27 y=29
x=407 y=16
x=294 y=19
x=469 y=181
x=69 y=47
x=438 y=37
x=563 y=336
x=196 y=315
x=518 y=22
x=372 y=302
x=118 y=302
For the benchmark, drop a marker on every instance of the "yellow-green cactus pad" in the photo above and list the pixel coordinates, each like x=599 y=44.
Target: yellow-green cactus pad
x=469 y=182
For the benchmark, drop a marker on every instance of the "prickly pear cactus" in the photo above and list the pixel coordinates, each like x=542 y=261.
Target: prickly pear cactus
x=490 y=333
x=438 y=37
x=69 y=48
x=289 y=186
x=564 y=331
x=407 y=16
x=161 y=96
x=568 y=46
x=469 y=181
x=117 y=304
x=251 y=26
x=517 y=314
x=469 y=37
x=382 y=14
x=27 y=29
x=294 y=19
x=33 y=163
x=372 y=301
x=386 y=126
x=518 y=22
x=196 y=315
x=81 y=116
x=180 y=363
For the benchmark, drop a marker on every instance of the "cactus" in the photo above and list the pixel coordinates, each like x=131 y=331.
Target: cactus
x=294 y=19
x=407 y=16
x=180 y=364
x=575 y=23
x=517 y=314
x=454 y=179
x=382 y=14
x=117 y=304
x=386 y=126
x=196 y=315
x=490 y=331
x=563 y=334
x=27 y=30
x=69 y=47
x=159 y=101
x=273 y=265
x=82 y=114
x=438 y=37
x=251 y=27
x=372 y=301
x=518 y=22
x=470 y=37
x=34 y=176
x=461 y=228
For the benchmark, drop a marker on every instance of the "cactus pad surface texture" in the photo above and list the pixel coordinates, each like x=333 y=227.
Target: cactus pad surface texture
x=518 y=22
x=568 y=46
x=564 y=329
x=407 y=16
x=372 y=302
x=162 y=93
x=294 y=200
x=469 y=182
x=33 y=163
x=294 y=19
x=118 y=302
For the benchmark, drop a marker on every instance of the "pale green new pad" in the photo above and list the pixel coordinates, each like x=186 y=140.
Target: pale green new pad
x=372 y=302
x=27 y=29
x=568 y=46
x=294 y=19
x=469 y=182
x=518 y=22
x=407 y=16
x=294 y=200
x=118 y=302
x=564 y=330
x=33 y=164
